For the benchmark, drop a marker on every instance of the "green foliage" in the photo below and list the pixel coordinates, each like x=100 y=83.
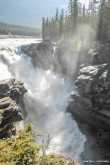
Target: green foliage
x=57 y=15
x=43 y=28
x=19 y=150
x=104 y=22
x=55 y=160
x=65 y=23
x=23 y=150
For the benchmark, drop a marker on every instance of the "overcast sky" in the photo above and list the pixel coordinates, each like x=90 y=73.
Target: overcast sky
x=29 y=12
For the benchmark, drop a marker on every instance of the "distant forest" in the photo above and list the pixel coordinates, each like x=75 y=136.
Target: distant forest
x=66 y=21
x=8 y=29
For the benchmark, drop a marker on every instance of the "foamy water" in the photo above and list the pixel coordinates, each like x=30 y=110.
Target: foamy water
x=46 y=101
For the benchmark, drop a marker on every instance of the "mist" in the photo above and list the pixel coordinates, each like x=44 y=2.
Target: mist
x=74 y=51
x=45 y=104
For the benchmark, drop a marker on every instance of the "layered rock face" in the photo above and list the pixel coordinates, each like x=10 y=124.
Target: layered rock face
x=41 y=54
x=92 y=103
x=11 y=95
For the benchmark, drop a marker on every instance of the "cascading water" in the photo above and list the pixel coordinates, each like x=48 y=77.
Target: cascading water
x=46 y=101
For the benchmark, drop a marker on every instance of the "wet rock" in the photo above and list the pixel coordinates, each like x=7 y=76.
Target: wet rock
x=41 y=54
x=12 y=88
x=102 y=54
x=89 y=75
x=11 y=93
x=92 y=103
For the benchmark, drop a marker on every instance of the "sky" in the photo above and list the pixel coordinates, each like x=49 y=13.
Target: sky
x=29 y=12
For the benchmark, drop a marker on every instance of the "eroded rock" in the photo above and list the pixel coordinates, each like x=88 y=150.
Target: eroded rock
x=92 y=103
x=41 y=54
x=11 y=93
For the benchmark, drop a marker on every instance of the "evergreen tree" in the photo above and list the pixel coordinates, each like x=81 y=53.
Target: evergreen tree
x=43 y=28
x=84 y=11
x=57 y=15
x=100 y=35
x=61 y=23
x=47 y=28
x=56 y=24
x=70 y=8
x=75 y=14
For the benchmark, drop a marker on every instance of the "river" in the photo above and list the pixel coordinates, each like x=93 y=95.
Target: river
x=46 y=100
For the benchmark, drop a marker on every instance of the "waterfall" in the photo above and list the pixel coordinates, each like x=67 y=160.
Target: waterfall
x=46 y=100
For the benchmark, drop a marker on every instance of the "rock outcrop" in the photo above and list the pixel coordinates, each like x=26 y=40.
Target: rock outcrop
x=12 y=88
x=11 y=97
x=102 y=54
x=92 y=103
x=41 y=54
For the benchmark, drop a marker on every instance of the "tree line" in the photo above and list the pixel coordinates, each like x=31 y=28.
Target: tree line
x=65 y=22
x=103 y=33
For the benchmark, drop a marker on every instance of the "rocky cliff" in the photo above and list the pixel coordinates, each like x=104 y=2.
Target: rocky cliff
x=11 y=96
x=22 y=147
x=92 y=103
x=41 y=54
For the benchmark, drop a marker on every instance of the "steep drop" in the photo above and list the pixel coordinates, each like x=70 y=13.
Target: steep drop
x=46 y=101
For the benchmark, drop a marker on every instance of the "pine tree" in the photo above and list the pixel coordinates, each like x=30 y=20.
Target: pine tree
x=84 y=11
x=56 y=24
x=75 y=14
x=100 y=35
x=57 y=15
x=52 y=28
x=43 y=28
x=61 y=23
x=70 y=7
x=47 y=28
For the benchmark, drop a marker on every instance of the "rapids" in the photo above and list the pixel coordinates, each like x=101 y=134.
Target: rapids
x=46 y=100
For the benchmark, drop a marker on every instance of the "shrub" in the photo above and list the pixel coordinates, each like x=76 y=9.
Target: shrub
x=19 y=150
x=23 y=150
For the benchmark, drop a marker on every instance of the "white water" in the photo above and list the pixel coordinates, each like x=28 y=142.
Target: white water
x=46 y=101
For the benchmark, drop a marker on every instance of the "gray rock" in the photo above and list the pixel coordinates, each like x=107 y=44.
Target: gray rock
x=41 y=54
x=11 y=94
x=93 y=101
x=12 y=88
x=103 y=54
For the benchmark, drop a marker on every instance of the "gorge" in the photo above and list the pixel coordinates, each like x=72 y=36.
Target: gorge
x=46 y=100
